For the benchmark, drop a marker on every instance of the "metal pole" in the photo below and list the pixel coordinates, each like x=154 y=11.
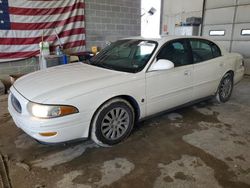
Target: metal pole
x=203 y=17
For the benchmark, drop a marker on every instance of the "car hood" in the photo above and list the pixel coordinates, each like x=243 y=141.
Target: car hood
x=63 y=82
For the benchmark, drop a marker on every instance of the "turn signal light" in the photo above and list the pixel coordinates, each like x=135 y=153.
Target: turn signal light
x=48 y=134
x=65 y=110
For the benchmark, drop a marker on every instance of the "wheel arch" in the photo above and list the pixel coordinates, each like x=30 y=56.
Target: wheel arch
x=229 y=72
x=217 y=95
x=132 y=101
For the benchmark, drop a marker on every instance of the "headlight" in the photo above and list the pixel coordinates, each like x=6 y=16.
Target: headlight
x=50 y=111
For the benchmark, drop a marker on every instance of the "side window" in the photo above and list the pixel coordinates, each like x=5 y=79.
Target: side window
x=177 y=52
x=202 y=50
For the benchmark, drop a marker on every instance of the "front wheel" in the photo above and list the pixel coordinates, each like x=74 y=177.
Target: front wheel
x=225 y=88
x=113 y=122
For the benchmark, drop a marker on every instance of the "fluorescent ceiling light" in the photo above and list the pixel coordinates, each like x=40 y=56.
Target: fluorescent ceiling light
x=245 y=32
x=217 y=33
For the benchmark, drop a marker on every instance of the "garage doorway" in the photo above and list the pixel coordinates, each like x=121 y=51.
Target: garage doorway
x=150 y=18
x=228 y=23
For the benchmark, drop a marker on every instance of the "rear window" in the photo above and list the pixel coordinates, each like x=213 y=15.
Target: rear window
x=216 y=50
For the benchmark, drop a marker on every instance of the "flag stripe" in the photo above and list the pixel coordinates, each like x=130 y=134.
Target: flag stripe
x=33 y=40
x=18 y=55
x=41 y=3
x=45 y=25
x=45 y=11
x=14 y=55
x=35 y=46
x=46 y=18
x=70 y=45
x=74 y=51
x=38 y=33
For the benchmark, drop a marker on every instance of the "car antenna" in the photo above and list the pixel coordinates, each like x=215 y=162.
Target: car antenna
x=60 y=43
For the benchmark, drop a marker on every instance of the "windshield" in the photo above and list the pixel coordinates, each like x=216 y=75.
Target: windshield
x=125 y=55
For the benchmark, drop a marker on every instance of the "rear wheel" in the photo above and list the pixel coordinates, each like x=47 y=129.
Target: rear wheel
x=225 y=88
x=113 y=122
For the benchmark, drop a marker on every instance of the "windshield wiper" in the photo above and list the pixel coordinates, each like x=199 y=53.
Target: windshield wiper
x=87 y=61
x=102 y=66
x=107 y=67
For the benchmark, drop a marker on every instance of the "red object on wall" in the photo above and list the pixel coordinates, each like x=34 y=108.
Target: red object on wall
x=165 y=28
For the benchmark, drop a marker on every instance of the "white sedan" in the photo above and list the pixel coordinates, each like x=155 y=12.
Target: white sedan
x=130 y=80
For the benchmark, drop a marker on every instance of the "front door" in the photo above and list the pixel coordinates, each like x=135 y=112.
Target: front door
x=170 y=88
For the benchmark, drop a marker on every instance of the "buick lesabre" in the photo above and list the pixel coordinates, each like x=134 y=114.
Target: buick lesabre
x=129 y=80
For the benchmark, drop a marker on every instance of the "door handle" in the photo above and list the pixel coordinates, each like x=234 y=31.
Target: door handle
x=187 y=73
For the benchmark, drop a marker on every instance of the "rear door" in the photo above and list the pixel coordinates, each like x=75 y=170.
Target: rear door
x=208 y=64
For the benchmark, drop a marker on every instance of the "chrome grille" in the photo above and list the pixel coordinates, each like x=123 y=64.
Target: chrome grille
x=16 y=104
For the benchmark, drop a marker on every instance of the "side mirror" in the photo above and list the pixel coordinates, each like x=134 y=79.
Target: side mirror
x=162 y=64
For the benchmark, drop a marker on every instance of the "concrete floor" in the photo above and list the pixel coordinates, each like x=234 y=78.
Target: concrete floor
x=206 y=145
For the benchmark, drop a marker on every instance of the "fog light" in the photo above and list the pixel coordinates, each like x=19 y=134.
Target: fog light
x=48 y=134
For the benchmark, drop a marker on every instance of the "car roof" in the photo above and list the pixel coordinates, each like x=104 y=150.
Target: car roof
x=164 y=38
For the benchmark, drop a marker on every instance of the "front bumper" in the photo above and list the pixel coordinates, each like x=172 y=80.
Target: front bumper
x=68 y=128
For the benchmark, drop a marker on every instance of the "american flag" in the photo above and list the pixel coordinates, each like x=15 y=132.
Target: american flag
x=23 y=22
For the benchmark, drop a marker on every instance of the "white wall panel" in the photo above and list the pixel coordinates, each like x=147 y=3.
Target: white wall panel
x=219 y=3
x=172 y=7
x=247 y=65
x=241 y=47
x=219 y=16
x=227 y=28
x=237 y=32
x=243 y=2
x=243 y=14
x=224 y=44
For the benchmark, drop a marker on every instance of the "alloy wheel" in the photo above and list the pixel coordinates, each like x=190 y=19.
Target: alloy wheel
x=115 y=123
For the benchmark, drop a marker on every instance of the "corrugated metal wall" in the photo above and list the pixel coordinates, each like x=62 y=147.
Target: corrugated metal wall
x=232 y=17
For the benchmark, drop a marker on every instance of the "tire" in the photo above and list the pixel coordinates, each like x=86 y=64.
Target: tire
x=225 y=88
x=113 y=122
